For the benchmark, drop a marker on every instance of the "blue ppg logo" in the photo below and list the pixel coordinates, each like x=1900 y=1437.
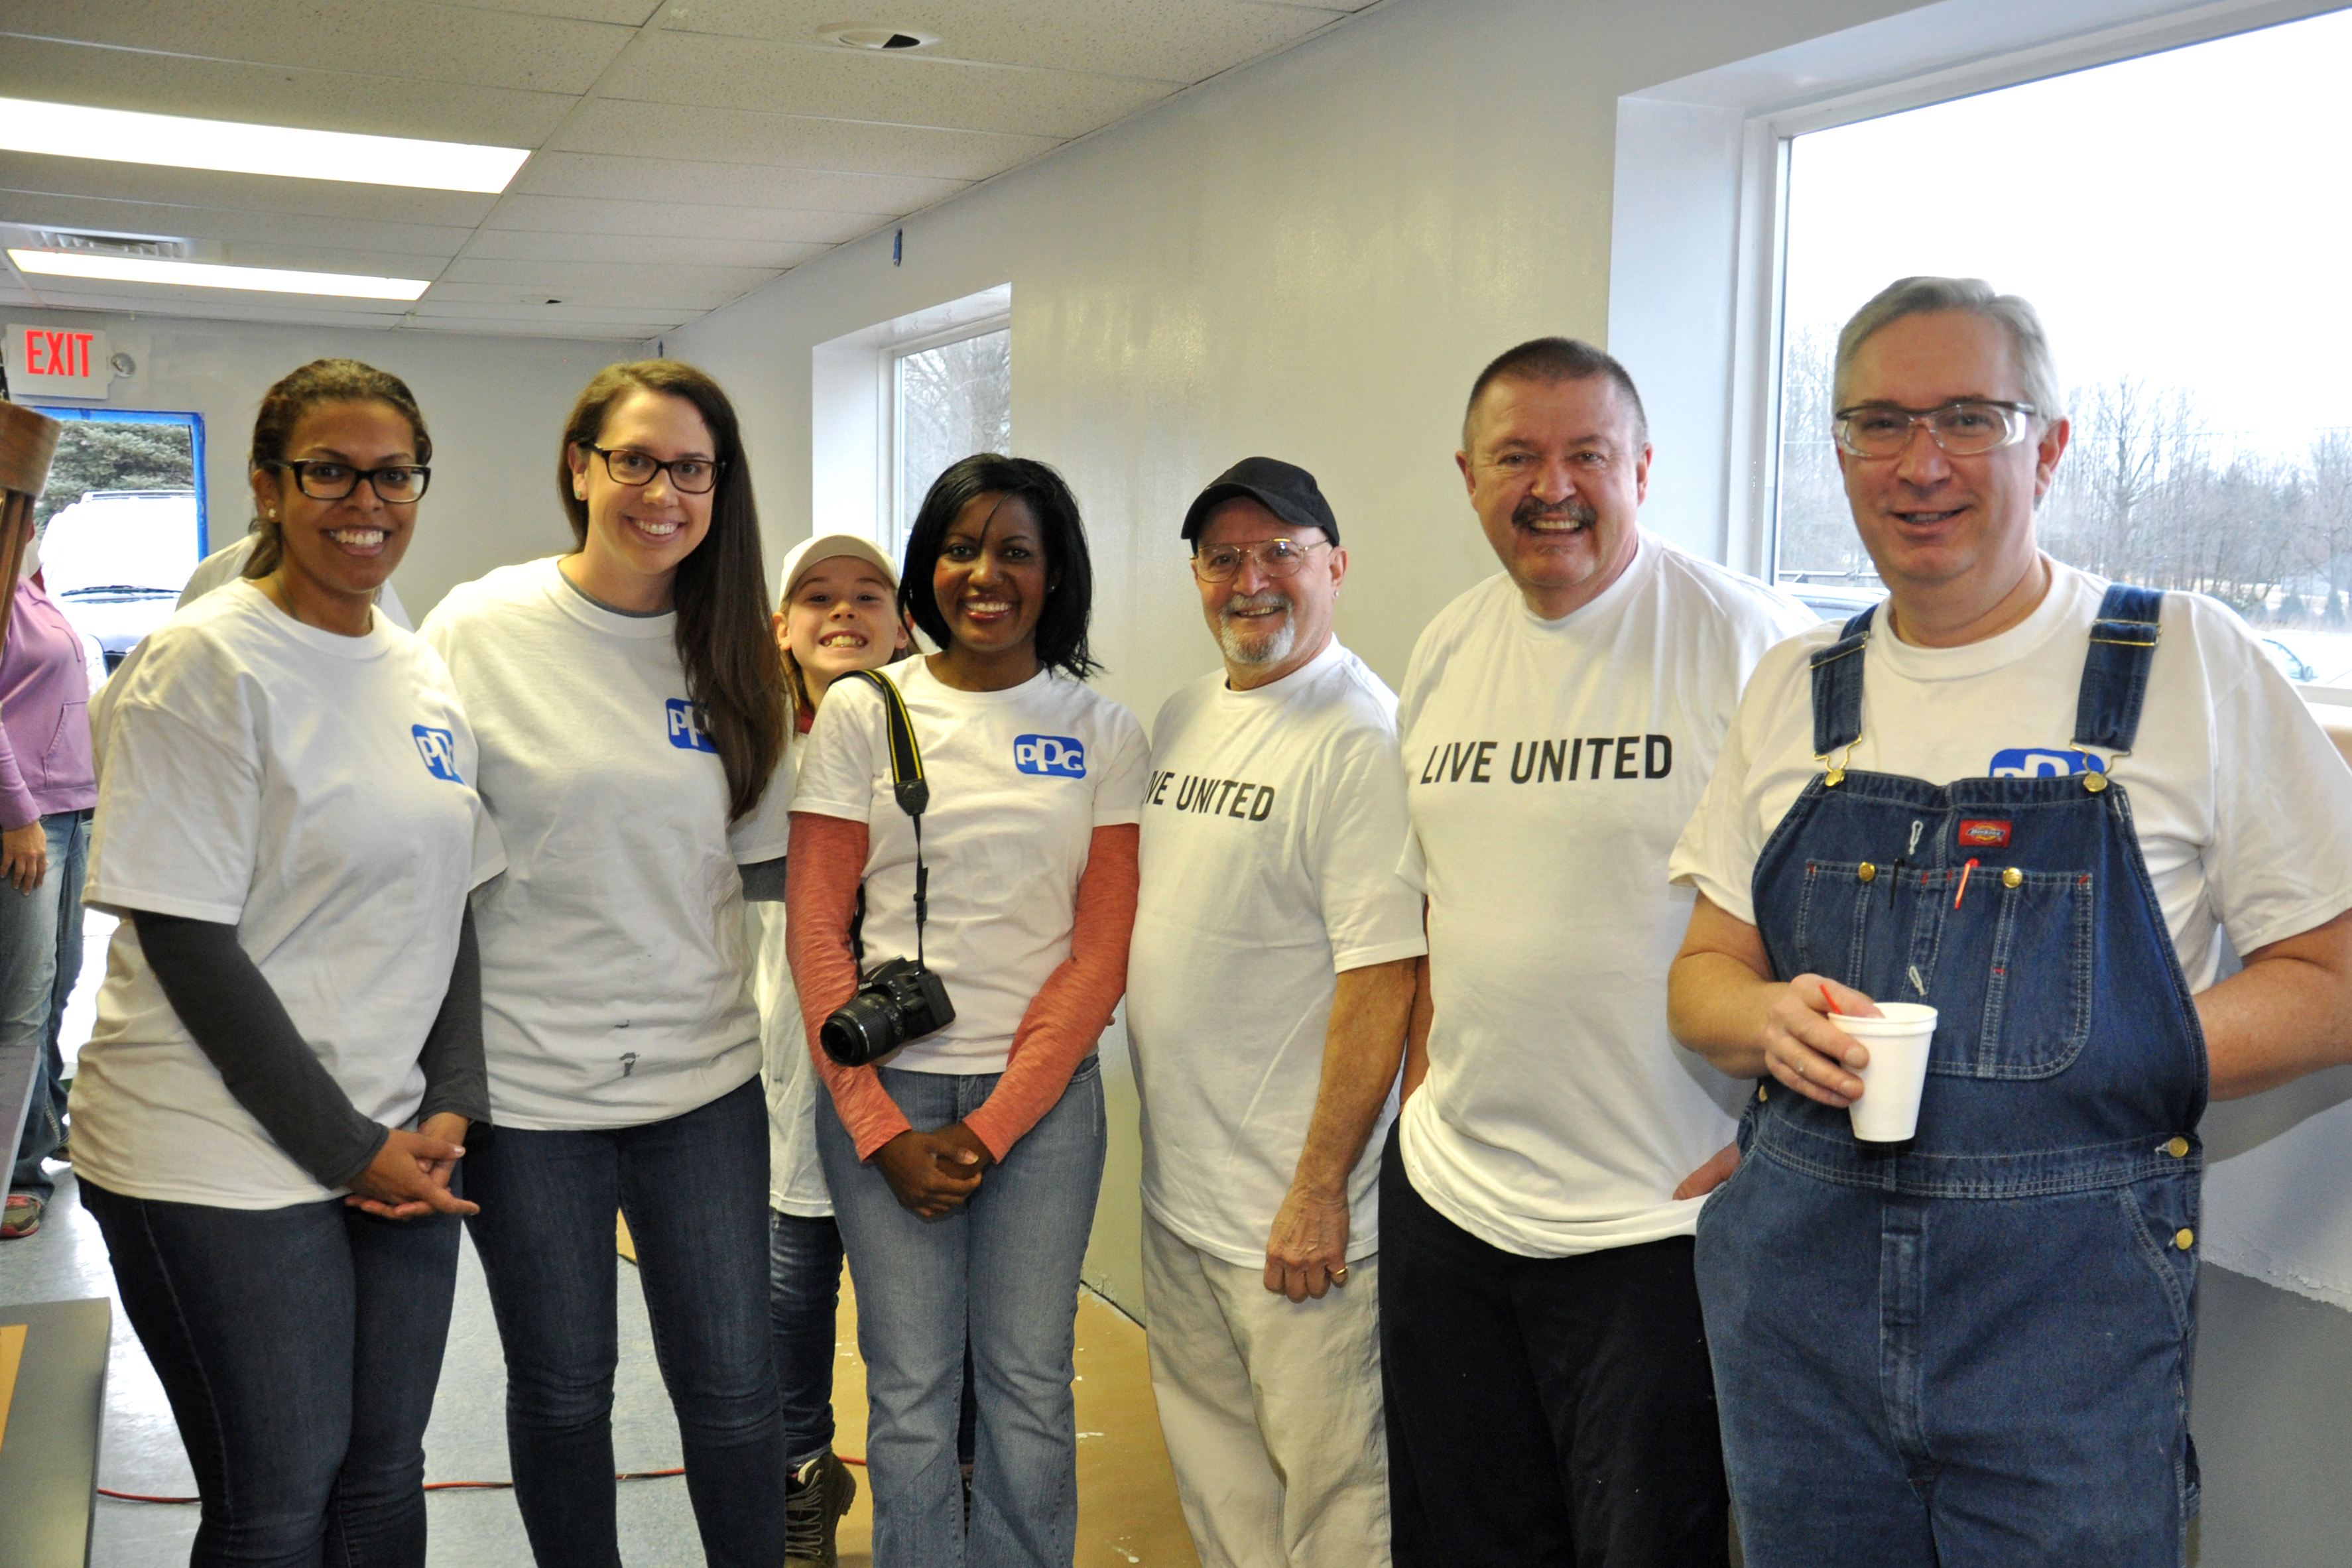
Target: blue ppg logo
x=686 y=726
x=439 y=749
x=2020 y=762
x=1054 y=755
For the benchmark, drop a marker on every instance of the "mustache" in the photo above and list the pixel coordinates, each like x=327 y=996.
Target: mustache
x=1575 y=510
x=1241 y=603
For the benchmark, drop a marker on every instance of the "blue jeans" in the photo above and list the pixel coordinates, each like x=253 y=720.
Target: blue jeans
x=299 y=1348
x=40 y=959
x=695 y=1189
x=1004 y=1269
x=803 y=1304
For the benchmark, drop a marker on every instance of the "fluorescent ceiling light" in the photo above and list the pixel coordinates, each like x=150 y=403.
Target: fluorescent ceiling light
x=207 y=275
x=122 y=136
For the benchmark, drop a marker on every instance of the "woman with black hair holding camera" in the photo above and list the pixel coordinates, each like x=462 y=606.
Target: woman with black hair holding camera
x=631 y=713
x=965 y=1167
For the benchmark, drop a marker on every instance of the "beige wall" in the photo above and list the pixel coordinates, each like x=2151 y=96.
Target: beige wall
x=1308 y=258
x=495 y=406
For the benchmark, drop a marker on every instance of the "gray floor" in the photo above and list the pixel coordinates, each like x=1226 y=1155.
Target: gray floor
x=66 y=1259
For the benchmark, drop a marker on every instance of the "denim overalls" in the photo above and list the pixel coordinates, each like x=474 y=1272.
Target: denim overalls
x=1971 y=1348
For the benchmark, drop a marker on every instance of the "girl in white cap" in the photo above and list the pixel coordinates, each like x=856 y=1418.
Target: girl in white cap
x=838 y=612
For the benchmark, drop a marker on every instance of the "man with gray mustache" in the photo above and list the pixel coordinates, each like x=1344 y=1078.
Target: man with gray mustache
x=1549 y=1393
x=1268 y=984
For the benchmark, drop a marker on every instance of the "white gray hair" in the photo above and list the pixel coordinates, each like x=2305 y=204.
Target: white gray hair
x=2029 y=345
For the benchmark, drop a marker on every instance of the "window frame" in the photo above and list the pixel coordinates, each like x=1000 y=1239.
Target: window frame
x=89 y=413
x=893 y=422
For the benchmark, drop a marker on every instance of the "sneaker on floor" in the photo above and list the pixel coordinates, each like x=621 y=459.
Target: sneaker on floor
x=22 y=1218
x=815 y=1497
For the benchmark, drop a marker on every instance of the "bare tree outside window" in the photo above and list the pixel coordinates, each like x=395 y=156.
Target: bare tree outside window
x=953 y=401
x=2211 y=443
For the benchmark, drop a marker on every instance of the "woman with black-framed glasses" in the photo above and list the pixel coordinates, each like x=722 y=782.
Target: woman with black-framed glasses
x=631 y=712
x=286 y=1065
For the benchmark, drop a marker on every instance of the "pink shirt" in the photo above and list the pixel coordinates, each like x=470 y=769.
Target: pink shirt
x=45 y=764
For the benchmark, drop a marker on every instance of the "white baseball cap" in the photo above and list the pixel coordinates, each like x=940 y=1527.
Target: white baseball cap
x=824 y=547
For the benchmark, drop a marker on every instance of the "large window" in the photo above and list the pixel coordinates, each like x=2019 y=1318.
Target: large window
x=2176 y=219
x=949 y=400
x=121 y=521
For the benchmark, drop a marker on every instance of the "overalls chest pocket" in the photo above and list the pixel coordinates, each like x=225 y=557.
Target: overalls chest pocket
x=2008 y=970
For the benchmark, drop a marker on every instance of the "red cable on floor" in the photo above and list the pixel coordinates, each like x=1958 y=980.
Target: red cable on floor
x=457 y=1486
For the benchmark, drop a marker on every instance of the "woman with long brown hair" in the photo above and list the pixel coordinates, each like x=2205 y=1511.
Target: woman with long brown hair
x=631 y=715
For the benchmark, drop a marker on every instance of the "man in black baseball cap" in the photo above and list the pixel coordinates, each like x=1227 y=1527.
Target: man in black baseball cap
x=1268 y=988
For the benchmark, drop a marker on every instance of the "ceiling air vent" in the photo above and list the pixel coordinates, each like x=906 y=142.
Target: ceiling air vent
x=147 y=248
x=866 y=35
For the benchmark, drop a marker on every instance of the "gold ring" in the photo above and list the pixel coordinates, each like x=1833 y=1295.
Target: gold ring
x=1339 y=1275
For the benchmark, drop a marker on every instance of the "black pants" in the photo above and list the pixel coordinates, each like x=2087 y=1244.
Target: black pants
x=1544 y=1412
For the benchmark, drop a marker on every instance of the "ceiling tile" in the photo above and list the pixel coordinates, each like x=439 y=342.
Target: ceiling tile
x=588 y=216
x=1180 y=41
x=501 y=327
x=769 y=255
x=42 y=211
x=624 y=13
x=387 y=40
x=703 y=72
x=729 y=136
x=277 y=95
x=656 y=293
x=259 y=193
x=635 y=179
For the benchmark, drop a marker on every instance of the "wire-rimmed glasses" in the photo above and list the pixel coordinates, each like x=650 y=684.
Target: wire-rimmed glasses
x=1965 y=427
x=1275 y=557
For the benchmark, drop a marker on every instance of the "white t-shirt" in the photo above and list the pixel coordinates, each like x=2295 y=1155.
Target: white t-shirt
x=1020 y=780
x=2237 y=795
x=1549 y=766
x=795 y=1178
x=314 y=790
x=226 y=564
x=615 y=978
x=1269 y=841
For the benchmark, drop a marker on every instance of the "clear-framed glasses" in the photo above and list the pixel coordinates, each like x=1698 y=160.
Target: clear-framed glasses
x=396 y=484
x=1275 y=557
x=687 y=475
x=1966 y=428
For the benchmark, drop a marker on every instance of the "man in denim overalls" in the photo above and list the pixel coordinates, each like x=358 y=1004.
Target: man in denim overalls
x=1971 y=1347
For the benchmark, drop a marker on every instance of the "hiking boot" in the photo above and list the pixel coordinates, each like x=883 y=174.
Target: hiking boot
x=815 y=1497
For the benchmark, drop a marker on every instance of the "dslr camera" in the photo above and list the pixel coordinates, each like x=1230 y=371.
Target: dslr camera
x=899 y=1001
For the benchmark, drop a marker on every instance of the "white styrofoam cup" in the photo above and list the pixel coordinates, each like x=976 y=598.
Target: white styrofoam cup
x=1888 y=1110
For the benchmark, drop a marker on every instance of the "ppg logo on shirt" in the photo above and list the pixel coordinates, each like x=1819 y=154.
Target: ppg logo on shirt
x=686 y=726
x=1053 y=755
x=439 y=749
x=2022 y=762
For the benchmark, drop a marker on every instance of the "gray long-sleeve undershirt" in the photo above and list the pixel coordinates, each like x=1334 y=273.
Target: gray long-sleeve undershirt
x=237 y=1021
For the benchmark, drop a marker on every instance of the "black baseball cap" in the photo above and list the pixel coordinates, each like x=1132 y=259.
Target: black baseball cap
x=1286 y=490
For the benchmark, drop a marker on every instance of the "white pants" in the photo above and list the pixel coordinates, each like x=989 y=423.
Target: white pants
x=1272 y=1410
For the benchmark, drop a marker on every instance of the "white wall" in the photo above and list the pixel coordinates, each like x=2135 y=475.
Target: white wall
x=495 y=406
x=1309 y=258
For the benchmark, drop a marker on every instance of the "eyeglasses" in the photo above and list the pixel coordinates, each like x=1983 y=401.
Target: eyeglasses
x=1275 y=557
x=687 y=475
x=396 y=485
x=1966 y=428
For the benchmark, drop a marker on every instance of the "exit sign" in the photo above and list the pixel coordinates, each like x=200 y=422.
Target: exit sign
x=67 y=361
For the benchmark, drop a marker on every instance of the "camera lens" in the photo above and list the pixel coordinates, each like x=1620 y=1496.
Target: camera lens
x=864 y=1026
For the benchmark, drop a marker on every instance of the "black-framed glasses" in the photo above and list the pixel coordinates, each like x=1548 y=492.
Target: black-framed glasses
x=687 y=475
x=1966 y=427
x=394 y=483
x=1275 y=557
